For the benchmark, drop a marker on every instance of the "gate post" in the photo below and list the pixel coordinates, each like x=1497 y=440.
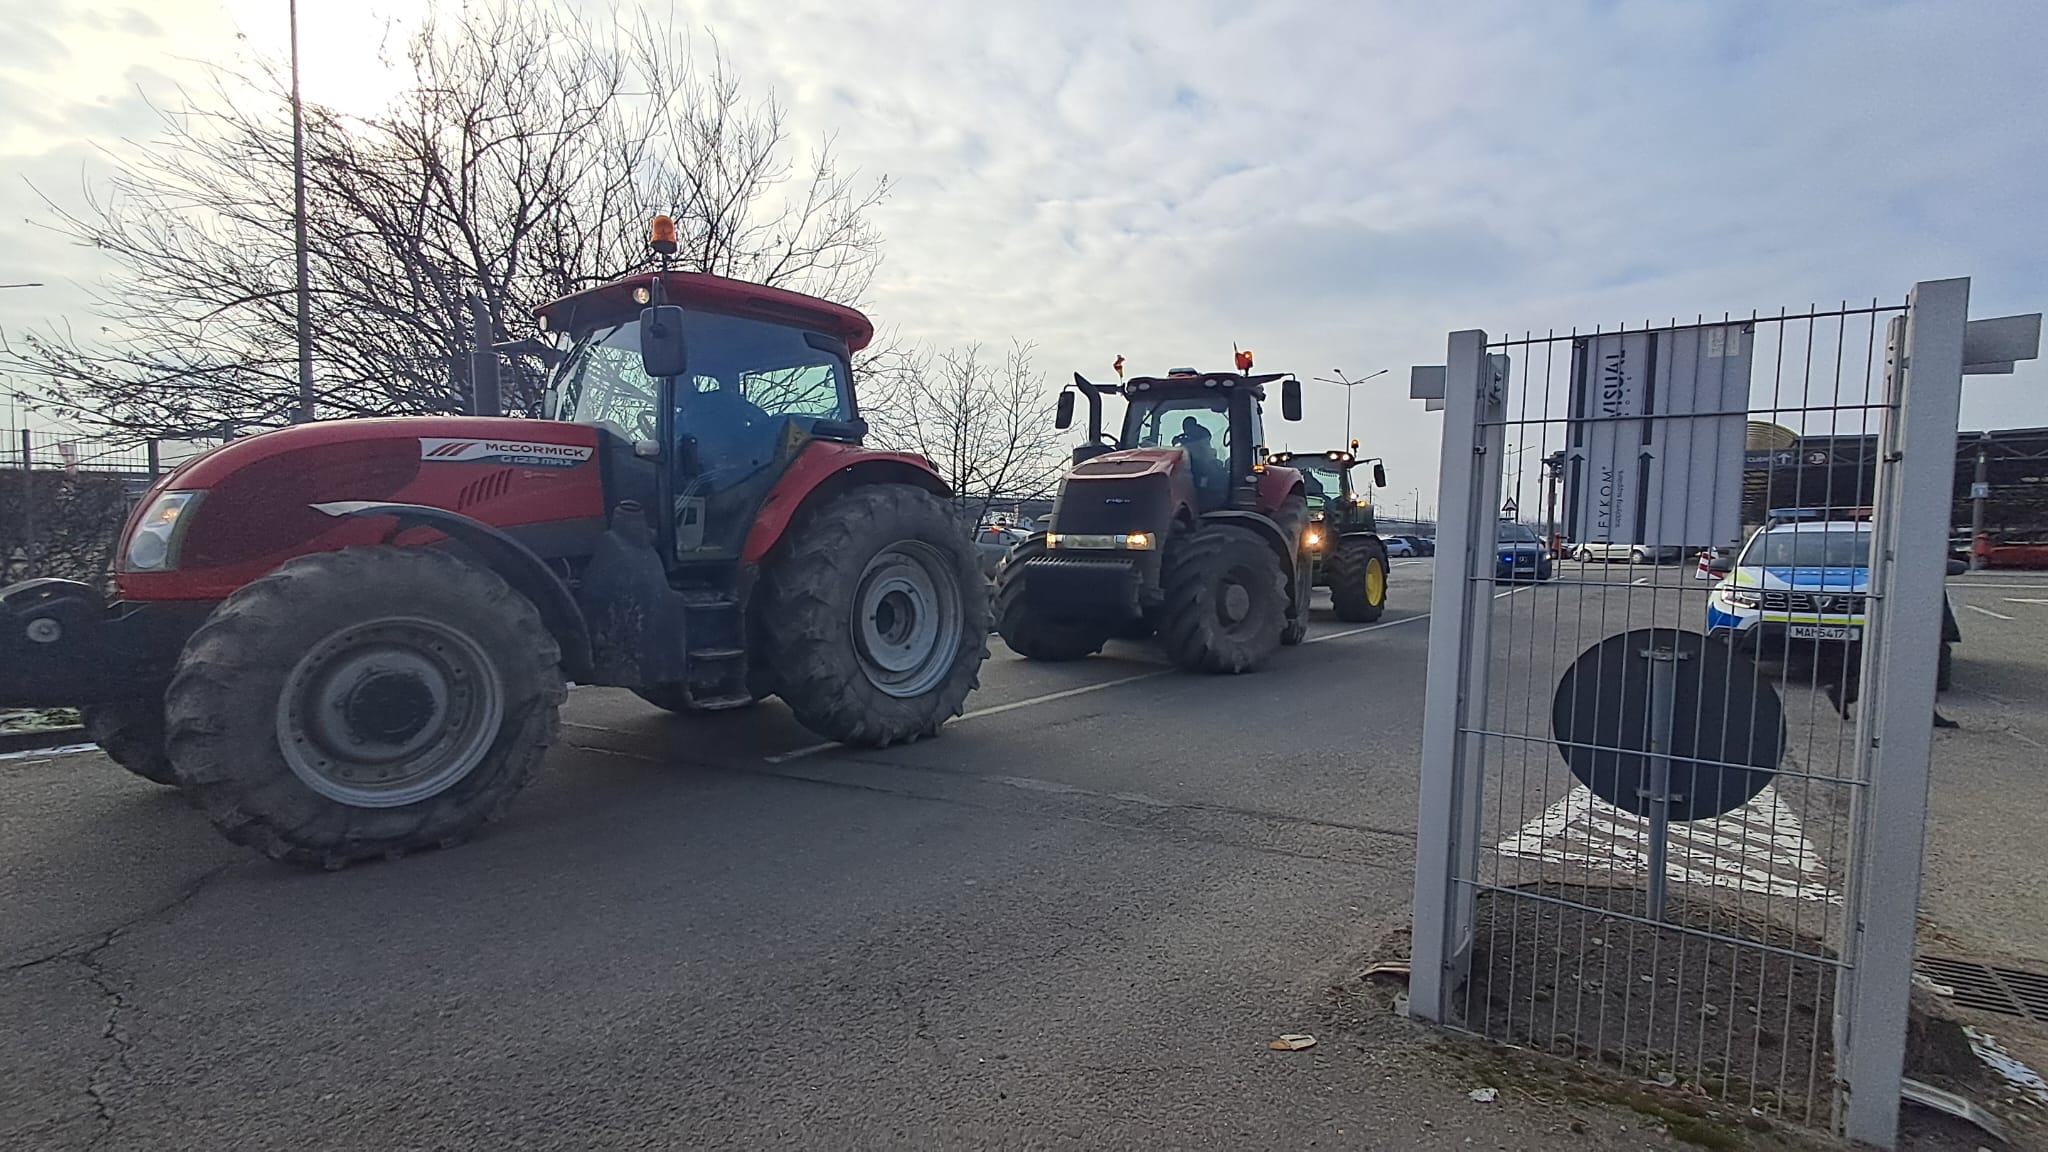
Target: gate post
x=1453 y=759
x=1894 y=723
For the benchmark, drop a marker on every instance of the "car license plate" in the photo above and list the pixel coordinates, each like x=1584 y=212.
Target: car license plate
x=1825 y=632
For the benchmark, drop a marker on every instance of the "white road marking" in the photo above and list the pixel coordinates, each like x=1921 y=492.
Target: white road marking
x=1988 y=612
x=978 y=713
x=66 y=750
x=1367 y=628
x=1639 y=583
x=596 y=728
x=1758 y=848
x=1996 y=584
x=2024 y=600
x=998 y=709
x=1402 y=563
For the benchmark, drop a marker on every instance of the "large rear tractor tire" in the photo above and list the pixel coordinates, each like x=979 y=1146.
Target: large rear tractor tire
x=1226 y=600
x=1358 y=579
x=363 y=704
x=877 y=616
x=1032 y=634
x=131 y=733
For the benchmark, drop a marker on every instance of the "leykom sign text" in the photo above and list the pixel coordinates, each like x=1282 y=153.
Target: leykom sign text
x=1654 y=449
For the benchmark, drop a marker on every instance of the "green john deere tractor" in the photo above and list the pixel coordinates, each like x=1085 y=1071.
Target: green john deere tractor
x=1342 y=538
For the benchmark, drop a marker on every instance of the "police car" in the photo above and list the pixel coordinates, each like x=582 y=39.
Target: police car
x=1802 y=579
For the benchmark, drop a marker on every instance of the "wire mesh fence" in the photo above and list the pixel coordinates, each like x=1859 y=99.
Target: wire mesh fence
x=1666 y=635
x=63 y=499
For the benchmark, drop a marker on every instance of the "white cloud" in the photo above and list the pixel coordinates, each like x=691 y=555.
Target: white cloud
x=1340 y=185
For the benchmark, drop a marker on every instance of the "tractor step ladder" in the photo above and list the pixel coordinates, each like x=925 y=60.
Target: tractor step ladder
x=716 y=634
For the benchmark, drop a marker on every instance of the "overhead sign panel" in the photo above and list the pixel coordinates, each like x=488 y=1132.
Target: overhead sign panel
x=1655 y=443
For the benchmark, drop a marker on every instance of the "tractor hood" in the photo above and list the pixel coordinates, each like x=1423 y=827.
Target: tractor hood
x=1133 y=490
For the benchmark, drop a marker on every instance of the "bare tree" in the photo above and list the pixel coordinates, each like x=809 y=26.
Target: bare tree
x=987 y=424
x=521 y=163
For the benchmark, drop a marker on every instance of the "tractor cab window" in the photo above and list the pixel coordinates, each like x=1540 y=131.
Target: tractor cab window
x=748 y=382
x=601 y=383
x=1199 y=426
x=747 y=378
x=1322 y=481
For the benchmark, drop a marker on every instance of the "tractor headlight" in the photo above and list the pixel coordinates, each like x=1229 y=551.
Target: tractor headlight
x=153 y=545
x=1141 y=541
x=1313 y=538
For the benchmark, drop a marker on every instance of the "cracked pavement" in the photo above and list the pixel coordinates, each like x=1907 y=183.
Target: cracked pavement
x=1078 y=919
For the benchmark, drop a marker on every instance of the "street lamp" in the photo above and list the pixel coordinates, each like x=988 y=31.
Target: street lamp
x=303 y=288
x=1348 y=386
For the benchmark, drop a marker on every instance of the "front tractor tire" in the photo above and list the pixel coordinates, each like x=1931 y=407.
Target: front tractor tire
x=131 y=733
x=876 y=620
x=1028 y=630
x=1226 y=600
x=364 y=704
x=1358 y=579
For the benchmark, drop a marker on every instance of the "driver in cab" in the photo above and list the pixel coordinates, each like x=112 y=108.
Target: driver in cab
x=1205 y=467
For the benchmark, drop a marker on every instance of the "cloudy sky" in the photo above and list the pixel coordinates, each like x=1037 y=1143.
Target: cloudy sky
x=1335 y=185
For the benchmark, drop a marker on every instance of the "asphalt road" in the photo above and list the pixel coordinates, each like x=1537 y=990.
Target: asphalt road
x=1078 y=917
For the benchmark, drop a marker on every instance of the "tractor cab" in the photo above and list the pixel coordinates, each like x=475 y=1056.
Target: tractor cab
x=1342 y=543
x=1336 y=497
x=1215 y=419
x=705 y=391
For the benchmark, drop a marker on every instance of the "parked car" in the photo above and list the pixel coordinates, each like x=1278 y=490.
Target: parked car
x=993 y=542
x=1417 y=545
x=1398 y=546
x=1522 y=555
x=1588 y=552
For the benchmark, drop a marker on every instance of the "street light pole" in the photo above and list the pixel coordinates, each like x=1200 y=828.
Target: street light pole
x=1348 y=386
x=304 y=287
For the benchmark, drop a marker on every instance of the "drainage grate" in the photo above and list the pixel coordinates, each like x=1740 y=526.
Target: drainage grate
x=2004 y=990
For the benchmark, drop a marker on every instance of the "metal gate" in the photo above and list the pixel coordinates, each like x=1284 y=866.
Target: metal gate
x=1672 y=802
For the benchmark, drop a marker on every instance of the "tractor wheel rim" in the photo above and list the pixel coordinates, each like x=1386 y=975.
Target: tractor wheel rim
x=389 y=712
x=1375 y=582
x=1235 y=602
x=907 y=619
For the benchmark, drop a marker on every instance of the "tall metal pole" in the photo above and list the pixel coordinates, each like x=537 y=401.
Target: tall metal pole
x=1337 y=377
x=1979 y=490
x=304 y=286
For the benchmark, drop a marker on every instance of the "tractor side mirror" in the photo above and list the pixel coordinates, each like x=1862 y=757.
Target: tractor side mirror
x=661 y=341
x=1290 y=399
x=1063 y=414
x=1379 y=475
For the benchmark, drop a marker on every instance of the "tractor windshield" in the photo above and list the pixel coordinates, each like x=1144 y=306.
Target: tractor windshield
x=1198 y=425
x=1322 y=480
x=759 y=373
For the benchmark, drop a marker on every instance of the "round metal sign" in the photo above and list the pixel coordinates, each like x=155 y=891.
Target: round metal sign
x=1727 y=727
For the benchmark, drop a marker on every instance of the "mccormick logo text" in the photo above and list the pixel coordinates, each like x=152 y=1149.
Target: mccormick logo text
x=525 y=454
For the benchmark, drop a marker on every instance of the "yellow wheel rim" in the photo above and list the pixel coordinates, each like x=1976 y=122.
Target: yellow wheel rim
x=1375 y=581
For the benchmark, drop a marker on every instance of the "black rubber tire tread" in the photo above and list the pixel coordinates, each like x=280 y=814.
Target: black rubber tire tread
x=1030 y=634
x=1347 y=568
x=812 y=577
x=1193 y=637
x=1304 y=593
x=131 y=733
x=1944 y=668
x=221 y=705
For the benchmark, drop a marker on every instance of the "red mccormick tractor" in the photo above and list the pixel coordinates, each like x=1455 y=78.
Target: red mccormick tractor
x=349 y=639
x=1178 y=526
x=1343 y=538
